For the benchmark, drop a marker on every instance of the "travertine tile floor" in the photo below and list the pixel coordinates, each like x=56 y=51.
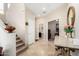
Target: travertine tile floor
x=40 y=48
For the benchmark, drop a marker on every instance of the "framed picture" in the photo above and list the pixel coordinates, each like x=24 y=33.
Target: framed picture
x=40 y=27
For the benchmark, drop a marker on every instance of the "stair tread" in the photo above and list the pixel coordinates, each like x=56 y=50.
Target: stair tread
x=18 y=40
x=19 y=44
x=22 y=48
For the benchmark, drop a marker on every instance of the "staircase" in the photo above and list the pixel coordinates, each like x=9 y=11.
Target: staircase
x=20 y=46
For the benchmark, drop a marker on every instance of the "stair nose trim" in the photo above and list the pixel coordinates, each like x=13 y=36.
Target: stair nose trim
x=18 y=45
x=18 y=41
x=20 y=50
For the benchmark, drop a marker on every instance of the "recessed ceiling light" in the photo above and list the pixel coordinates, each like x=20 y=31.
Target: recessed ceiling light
x=44 y=9
x=8 y=5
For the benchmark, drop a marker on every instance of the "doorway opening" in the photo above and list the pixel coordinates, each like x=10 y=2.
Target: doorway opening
x=53 y=30
x=41 y=31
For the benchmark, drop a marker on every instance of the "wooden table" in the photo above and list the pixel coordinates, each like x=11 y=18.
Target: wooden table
x=66 y=43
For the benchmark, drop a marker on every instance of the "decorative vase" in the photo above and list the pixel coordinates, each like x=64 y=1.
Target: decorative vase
x=10 y=29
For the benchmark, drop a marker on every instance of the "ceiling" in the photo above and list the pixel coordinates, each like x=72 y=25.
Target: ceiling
x=41 y=9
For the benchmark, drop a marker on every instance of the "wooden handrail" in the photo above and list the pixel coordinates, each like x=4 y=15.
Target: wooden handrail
x=10 y=29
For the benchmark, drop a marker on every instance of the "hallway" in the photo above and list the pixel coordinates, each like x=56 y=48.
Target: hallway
x=31 y=28
x=40 y=48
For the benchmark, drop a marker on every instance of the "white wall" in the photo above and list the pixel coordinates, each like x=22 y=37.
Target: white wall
x=5 y=8
x=2 y=16
x=7 y=41
x=10 y=44
x=15 y=16
x=30 y=28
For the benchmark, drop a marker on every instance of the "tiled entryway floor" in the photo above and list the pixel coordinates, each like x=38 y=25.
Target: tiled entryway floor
x=40 y=48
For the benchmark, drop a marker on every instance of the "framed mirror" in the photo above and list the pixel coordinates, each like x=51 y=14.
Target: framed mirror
x=71 y=16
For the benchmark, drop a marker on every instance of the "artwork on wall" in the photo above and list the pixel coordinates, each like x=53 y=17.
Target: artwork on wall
x=41 y=28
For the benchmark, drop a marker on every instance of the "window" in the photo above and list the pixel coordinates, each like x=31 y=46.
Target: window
x=1 y=8
x=8 y=5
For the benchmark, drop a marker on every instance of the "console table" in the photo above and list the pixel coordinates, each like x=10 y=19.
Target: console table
x=66 y=43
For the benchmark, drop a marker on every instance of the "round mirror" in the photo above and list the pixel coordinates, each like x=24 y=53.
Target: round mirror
x=71 y=16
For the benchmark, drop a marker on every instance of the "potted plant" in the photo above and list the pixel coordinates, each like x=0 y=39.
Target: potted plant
x=10 y=29
x=68 y=29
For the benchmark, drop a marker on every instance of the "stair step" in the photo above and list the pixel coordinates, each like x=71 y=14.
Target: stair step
x=18 y=41
x=17 y=38
x=19 y=47
x=20 y=50
x=20 y=44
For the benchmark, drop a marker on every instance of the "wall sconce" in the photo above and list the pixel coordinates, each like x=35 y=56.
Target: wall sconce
x=26 y=23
